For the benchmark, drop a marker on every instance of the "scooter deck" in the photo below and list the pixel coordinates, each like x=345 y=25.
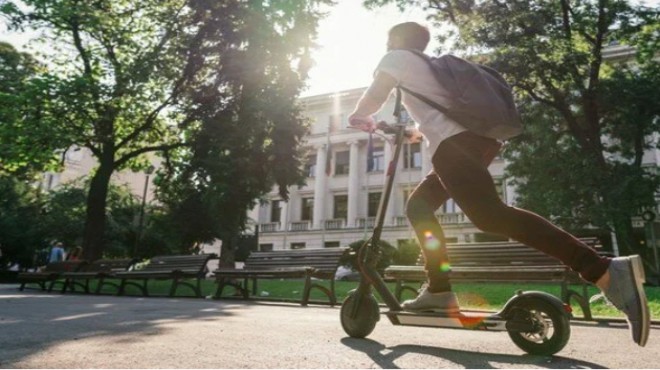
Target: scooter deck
x=472 y=320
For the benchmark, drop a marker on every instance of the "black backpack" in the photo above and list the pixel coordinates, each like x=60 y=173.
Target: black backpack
x=480 y=100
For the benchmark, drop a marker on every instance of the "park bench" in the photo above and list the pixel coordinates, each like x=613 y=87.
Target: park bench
x=98 y=270
x=306 y=264
x=180 y=269
x=510 y=262
x=51 y=273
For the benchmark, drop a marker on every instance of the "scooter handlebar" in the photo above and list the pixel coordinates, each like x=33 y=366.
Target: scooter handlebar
x=392 y=129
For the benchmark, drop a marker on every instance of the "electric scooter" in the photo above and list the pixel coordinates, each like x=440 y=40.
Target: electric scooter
x=537 y=322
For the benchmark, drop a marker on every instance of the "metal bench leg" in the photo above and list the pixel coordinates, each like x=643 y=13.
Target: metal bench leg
x=198 y=288
x=246 y=289
x=99 y=285
x=306 y=290
x=145 y=290
x=333 y=295
x=66 y=285
x=122 y=286
x=175 y=283
x=221 y=286
x=52 y=284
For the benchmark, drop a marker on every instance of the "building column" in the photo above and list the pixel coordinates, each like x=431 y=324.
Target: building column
x=320 y=180
x=284 y=214
x=353 y=184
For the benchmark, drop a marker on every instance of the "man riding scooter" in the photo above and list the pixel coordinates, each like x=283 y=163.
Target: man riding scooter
x=460 y=158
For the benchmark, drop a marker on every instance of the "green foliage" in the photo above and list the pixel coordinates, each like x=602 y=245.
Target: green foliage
x=407 y=253
x=20 y=230
x=248 y=126
x=27 y=141
x=130 y=77
x=63 y=218
x=387 y=253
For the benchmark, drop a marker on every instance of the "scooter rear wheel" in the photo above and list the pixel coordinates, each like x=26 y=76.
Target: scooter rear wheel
x=552 y=328
x=358 y=322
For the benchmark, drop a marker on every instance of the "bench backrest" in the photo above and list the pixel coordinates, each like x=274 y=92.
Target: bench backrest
x=324 y=260
x=64 y=266
x=195 y=263
x=501 y=254
x=110 y=265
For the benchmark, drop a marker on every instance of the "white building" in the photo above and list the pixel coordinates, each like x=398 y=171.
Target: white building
x=338 y=207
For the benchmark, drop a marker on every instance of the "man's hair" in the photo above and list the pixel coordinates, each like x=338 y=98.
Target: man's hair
x=412 y=34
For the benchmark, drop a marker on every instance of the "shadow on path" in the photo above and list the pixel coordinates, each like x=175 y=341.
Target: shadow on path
x=32 y=322
x=385 y=356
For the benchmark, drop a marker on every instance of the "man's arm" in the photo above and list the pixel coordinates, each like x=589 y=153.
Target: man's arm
x=371 y=101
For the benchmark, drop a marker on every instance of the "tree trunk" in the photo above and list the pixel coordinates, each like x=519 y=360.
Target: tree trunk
x=228 y=250
x=94 y=233
x=624 y=235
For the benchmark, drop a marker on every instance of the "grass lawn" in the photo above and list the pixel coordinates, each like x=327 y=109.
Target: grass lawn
x=476 y=296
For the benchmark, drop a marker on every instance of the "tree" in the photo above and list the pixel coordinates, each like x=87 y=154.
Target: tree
x=122 y=68
x=116 y=73
x=579 y=160
x=20 y=231
x=251 y=127
x=63 y=217
x=24 y=149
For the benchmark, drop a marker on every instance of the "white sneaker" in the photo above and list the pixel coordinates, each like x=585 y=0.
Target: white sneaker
x=445 y=302
x=626 y=292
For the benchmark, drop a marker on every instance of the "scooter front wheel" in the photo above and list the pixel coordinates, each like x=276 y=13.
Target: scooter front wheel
x=359 y=314
x=551 y=327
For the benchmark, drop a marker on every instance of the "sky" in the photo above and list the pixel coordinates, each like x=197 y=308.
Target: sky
x=351 y=42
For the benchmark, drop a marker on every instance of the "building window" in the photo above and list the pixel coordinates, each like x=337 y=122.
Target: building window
x=341 y=206
x=378 y=160
x=341 y=163
x=307 y=209
x=310 y=166
x=412 y=156
x=374 y=201
x=298 y=245
x=266 y=247
x=275 y=211
x=331 y=245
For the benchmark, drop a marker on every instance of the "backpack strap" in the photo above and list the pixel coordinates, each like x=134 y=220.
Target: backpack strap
x=420 y=96
x=426 y=100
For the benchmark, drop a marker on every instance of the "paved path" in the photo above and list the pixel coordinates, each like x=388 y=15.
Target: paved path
x=40 y=330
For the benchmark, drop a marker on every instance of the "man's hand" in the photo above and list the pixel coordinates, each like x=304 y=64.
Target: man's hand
x=366 y=124
x=414 y=135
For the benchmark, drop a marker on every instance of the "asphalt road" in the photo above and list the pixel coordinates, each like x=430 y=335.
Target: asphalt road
x=41 y=330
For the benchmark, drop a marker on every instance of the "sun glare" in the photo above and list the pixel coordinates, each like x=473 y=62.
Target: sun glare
x=351 y=42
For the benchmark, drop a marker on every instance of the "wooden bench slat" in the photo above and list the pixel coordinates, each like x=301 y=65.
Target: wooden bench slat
x=299 y=263
x=169 y=267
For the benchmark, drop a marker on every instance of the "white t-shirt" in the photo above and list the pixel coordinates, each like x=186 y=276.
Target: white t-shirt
x=412 y=72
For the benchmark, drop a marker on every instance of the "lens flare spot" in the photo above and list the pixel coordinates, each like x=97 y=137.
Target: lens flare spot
x=431 y=242
x=445 y=267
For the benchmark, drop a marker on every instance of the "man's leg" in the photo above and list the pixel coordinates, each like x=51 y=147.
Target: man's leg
x=427 y=197
x=458 y=163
